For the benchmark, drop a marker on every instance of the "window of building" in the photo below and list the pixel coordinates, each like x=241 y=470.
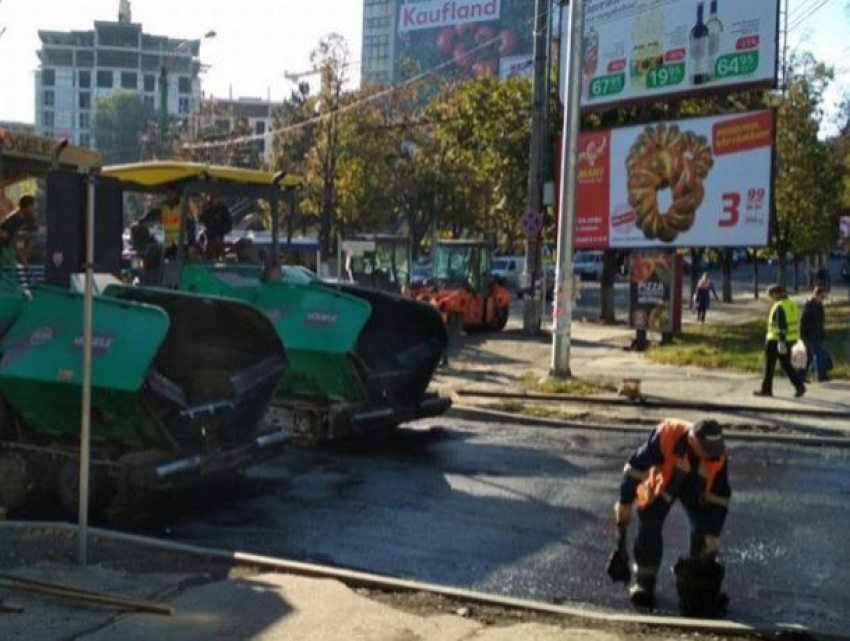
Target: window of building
x=183 y=105
x=49 y=99
x=104 y=79
x=85 y=140
x=150 y=82
x=48 y=77
x=84 y=120
x=184 y=84
x=84 y=101
x=117 y=59
x=85 y=79
x=149 y=102
x=85 y=58
x=48 y=119
x=129 y=80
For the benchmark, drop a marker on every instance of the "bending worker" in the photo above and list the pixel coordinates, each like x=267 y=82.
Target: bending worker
x=679 y=461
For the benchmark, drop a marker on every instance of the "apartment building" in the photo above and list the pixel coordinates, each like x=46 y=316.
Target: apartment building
x=78 y=68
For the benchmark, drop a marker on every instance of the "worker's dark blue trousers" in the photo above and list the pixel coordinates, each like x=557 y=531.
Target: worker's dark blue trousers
x=649 y=544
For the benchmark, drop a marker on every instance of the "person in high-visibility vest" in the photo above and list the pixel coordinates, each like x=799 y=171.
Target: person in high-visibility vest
x=782 y=332
x=170 y=212
x=684 y=461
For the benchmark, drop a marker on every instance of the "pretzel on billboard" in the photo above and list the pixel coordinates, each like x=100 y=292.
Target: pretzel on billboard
x=662 y=157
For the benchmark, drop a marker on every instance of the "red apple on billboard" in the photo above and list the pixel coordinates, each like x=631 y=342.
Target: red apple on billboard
x=462 y=57
x=483 y=34
x=446 y=41
x=508 y=42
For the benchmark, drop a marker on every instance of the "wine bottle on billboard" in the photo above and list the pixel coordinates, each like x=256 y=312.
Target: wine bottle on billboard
x=715 y=30
x=699 y=48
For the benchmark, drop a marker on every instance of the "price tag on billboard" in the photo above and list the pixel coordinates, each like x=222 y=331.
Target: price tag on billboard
x=643 y=49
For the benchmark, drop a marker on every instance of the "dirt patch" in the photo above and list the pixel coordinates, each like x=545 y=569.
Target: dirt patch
x=426 y=604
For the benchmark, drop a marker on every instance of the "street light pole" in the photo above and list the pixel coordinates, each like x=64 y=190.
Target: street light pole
x=532 y=312
x=569 y=164
x=163 y=85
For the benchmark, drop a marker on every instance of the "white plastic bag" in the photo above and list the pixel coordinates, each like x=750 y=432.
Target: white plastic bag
x=799 y=355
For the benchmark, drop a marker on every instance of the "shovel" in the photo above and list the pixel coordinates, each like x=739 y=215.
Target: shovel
x=618 y=562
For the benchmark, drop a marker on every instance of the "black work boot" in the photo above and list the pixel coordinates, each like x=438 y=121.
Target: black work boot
x=642 y=593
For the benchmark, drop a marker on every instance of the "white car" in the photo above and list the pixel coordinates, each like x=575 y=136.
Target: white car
x=508 y=269
x=588 y=265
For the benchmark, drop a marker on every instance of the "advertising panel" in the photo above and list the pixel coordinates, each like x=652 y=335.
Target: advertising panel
x=704 y=182
x=652 y=276
x=475 y=37
x=844 y=232
x=643 y=49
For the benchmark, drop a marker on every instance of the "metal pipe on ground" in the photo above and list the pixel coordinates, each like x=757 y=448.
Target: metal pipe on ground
x=375 y=581
x=13 y=582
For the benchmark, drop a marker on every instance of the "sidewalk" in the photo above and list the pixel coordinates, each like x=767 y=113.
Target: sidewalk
x=504 y=361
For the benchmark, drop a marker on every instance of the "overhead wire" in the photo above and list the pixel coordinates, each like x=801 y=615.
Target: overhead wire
x=352 y=106
x=800 y=8
x=803 y=18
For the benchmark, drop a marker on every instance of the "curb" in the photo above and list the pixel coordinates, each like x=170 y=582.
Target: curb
x=471 y=413
x=658 y=403
x=363 y=579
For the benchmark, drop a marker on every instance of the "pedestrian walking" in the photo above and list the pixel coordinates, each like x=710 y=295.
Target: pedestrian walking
x=705 y=288
x=823 y=278
x=685 y=461
x=782 y=330
x=812 y=333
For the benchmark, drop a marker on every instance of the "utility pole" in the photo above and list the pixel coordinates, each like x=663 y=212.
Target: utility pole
x=532 y=312
x=569 y=163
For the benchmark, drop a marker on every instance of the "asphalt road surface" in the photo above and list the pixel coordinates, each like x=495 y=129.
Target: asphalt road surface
x=527 y=512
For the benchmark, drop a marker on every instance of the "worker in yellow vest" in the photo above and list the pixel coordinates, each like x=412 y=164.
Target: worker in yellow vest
x=170 y=212
x=782 y=333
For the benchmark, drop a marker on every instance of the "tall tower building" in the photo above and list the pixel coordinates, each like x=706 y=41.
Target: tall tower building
x=379 y=17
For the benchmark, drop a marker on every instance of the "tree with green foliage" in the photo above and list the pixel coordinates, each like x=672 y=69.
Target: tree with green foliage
x=483 y=130
x=808 y=178
x=332 y=59
x=119 y=121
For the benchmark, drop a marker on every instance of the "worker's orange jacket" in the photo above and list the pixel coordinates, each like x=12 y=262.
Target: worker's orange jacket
x=656 y=480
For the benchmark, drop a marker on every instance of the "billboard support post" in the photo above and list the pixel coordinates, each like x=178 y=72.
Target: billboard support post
x=569 y=164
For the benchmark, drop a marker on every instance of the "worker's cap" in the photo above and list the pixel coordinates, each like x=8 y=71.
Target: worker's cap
x=709 y=433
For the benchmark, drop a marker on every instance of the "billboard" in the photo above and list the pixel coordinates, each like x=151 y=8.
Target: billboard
x=464 y=38
x=652 y=281
x=644 y=49
x=844 y=232
x=704 y=182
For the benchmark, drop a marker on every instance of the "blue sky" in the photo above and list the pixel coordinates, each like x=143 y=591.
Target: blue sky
x=258 y=40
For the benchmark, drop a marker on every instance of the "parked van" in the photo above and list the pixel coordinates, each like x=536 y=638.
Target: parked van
x=508 y=269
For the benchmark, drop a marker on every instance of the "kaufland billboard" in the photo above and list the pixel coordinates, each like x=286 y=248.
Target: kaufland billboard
x=464 y=38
